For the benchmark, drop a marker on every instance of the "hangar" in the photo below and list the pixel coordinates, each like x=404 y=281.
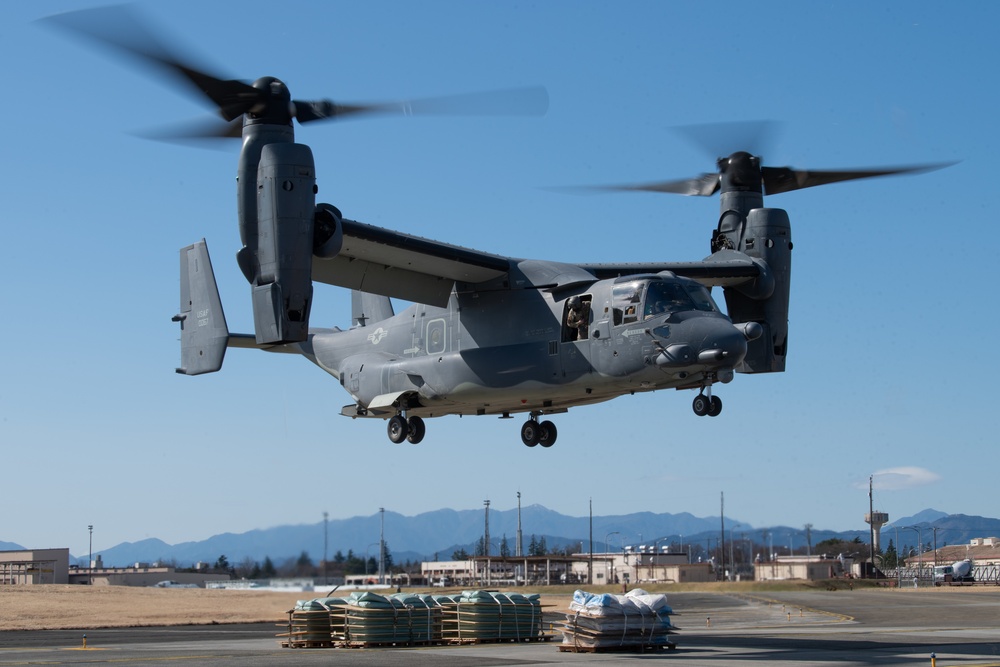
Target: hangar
x=34 y=566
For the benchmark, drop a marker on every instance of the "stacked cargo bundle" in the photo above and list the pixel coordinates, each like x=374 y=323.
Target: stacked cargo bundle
x=636 y=621
x=372 y=619
x=315 y=623
x=426 y=617
x=482 y=616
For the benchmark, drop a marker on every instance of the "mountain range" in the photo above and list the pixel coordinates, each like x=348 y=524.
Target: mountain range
x=437 y=534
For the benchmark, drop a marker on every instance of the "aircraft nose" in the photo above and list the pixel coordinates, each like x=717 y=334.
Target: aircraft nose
x=715 y=345
x=726 y=347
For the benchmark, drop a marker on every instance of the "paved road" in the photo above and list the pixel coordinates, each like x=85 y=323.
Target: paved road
x=887 y=627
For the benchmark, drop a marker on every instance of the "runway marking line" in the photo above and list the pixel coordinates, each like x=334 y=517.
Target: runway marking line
x=838 y=617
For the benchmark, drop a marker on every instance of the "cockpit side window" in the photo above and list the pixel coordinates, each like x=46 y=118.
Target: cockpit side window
x=625 y=302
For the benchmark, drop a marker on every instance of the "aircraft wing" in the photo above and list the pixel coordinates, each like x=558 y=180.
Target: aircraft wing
x=382 y=261
x=722 y=269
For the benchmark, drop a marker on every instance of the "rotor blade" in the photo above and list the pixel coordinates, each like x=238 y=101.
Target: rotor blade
x=786 y=179
x=721 y=139
x=121 y=29
x=211 y=129
x=526 y=101
x=702 y=186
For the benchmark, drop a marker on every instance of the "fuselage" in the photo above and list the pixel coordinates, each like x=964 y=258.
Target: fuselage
x=513 y=350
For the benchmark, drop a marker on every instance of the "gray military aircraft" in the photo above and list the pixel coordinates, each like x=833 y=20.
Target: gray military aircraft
x=485 y=334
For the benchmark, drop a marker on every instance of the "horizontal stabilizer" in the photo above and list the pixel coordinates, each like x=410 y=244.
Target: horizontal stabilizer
x=203 y=324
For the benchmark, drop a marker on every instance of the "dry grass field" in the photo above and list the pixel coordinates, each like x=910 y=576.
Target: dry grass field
x=55 y=606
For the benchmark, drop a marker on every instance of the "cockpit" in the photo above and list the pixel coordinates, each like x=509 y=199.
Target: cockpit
x=636 y=300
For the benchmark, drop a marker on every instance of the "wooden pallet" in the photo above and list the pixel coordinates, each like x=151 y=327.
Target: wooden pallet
x=307 y=644
x=463 y=641
x=639 y=648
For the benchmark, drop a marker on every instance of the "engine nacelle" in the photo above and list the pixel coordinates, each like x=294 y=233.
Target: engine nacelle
x=286 y=207
x=328 y=233
x=766 y=238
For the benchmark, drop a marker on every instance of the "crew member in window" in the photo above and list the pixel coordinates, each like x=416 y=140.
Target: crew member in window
x=578 y=318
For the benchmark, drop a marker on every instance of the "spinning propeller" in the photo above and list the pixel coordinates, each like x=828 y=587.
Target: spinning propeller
x=267 y=99
x=742 y=170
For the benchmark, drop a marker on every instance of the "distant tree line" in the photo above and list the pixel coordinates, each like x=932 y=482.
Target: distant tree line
x=537 y=546
x=303 y=566
x=742 y=549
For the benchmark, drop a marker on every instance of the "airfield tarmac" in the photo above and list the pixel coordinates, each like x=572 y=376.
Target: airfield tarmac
x=883 y=627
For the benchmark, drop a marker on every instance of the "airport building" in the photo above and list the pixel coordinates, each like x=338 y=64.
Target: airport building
x=983 y=551
x=34 y=566
x=580 y=568
x=808 y=568
x=51 y=566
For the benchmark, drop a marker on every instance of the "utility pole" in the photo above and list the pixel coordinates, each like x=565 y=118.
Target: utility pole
x=518 y=546
x=326 y=579
x=486 y=540
x=590 y=562
x=722 y=539
x=381 y=547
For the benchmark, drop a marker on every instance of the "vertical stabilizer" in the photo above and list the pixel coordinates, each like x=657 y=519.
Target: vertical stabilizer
x=367 y=309
x=203 y=324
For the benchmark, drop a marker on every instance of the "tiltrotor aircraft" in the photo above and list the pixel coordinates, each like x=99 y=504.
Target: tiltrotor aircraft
x=486 y=334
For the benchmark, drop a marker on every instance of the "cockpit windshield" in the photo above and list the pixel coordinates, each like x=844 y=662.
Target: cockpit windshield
x=663 y=298
x=643 y=299
x=702 y=297
x=666 y=297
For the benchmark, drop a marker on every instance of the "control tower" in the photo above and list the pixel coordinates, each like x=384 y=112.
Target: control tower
x=876 y=520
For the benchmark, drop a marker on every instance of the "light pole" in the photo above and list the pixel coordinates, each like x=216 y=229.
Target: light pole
x=917 y=529
x=368 y=552
x=732 y=558
x=90 y=561
x=326 y=579
x=607 y=549
x=652 y=559
x=899 y=570
x=935 y=529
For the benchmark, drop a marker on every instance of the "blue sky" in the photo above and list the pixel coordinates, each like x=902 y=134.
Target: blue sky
x=892 y=352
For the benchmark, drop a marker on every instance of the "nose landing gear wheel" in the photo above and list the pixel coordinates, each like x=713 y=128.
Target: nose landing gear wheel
x=397 y=429
x=707 y=405
x=716 y=407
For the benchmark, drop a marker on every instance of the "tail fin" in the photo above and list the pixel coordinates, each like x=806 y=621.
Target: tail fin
x=203 y=324
x=368 y=308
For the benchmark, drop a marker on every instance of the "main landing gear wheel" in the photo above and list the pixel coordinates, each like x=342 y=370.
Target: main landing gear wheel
x=398 y=429
x=544 y=434
x=547 y=435
x=707 y=405
x=531 y=433
x=415 y=430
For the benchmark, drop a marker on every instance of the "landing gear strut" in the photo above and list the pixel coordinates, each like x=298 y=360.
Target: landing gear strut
x=706 y=404
x=400 y=428
x=533 y=433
